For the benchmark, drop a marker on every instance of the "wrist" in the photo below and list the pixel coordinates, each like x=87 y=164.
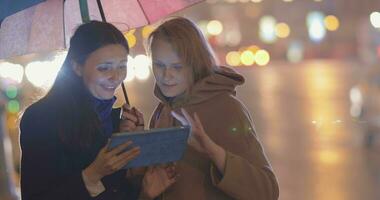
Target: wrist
x=214 y=150
x=92 y=175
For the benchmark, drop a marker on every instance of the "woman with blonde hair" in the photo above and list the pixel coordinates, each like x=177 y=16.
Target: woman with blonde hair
x=225 y=159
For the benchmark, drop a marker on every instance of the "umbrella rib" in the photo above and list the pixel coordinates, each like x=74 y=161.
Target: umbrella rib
x=101 y=10
x=142 y=8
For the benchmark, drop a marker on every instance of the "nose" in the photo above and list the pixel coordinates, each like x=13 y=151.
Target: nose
x=115 y=75
x=167 y=73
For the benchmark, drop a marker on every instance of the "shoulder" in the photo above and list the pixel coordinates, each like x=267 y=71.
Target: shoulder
x=226 y=102
x=38 y=119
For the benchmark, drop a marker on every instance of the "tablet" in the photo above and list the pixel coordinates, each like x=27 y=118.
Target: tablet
x=157 y=146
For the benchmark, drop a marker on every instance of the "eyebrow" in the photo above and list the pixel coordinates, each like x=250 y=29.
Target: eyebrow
x=175 y=63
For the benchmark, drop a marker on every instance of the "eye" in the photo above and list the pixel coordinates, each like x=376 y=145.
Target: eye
x=158 y=64
x=123 y=66
x=104 y=67
x=178 y=66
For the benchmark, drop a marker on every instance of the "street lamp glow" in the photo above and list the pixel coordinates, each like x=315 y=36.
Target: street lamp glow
x=253 y=48
x=43 y=73
x=247 y=58
x=375 y=19
x=141 y=67
x=295 y=52
x=11 y=71
x=130 y=69
x=316 y=27
x=262 y=57
x=233 y=58
x=214 y=27
x=282 y=30
x=267 y=29
x=331 y=23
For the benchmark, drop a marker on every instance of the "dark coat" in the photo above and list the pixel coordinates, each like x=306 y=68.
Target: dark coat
x=50 y=171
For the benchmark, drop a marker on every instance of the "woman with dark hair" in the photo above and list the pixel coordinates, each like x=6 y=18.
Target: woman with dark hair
x=64 y=135
x=225 y=159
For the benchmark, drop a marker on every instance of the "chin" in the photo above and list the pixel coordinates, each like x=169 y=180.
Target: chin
x=106 y=96
x=169 y=93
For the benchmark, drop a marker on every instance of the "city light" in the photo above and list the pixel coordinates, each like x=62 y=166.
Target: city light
x=141 y=66
x=214 y=27
x=12 y=72
x=375 y=19
x=282 y=30
x=262 y=57
x=247 y=58
x=233 y=58
x=43 y=73
x=138 y=67
x=267 y=29
x=316 y=27
x=331 y=23
x=295 y=52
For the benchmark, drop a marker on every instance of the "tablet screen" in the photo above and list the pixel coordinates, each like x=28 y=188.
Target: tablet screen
x=157 y=146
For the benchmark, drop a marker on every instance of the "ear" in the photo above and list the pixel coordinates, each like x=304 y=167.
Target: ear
x=78 y=69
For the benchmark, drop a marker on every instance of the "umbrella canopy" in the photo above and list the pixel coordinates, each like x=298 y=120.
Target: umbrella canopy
x=49 y=25
x=9 y=7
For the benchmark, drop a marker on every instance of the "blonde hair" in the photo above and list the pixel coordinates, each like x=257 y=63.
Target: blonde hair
x=190 y=44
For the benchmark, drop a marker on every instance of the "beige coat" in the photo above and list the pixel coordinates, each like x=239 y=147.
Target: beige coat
x=248 y=174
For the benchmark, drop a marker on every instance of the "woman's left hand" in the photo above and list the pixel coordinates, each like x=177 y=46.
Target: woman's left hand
x=131 y=119
x=156 y=180
x=199 y=139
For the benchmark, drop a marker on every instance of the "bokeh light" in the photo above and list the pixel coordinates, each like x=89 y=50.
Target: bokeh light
x=247 y=58
x=295 y=52
x=331 y=23
x=282 y=30
x=141 y=66
x=13 y=106
x=267 y=29
x=233 y=58
x=262 y=57
x=214 y=27
x=43 y=73
x=13 y=72
x=316 y=26
x=375 y=19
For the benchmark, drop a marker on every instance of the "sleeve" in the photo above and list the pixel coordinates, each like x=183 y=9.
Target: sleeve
x=93 y=188
x=42 y=177
x=248 y=174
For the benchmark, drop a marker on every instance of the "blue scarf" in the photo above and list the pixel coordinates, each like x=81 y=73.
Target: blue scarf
x=104 y=109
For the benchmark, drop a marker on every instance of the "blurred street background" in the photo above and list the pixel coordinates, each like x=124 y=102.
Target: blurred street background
x=312 y=87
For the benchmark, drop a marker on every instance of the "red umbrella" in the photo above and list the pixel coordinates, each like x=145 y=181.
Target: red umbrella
x=48 y=26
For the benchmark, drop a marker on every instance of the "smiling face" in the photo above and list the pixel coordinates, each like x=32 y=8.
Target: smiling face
x=104 y=70
x=172 y=76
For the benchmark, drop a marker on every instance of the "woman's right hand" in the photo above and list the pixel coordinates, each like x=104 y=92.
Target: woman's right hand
x=109 y=161
x=131 y=119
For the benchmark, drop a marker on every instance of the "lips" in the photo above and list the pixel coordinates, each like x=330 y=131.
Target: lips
x=109 y=88
x=168 y=85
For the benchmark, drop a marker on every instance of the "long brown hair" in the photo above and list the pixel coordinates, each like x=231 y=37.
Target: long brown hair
x=190 y=44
